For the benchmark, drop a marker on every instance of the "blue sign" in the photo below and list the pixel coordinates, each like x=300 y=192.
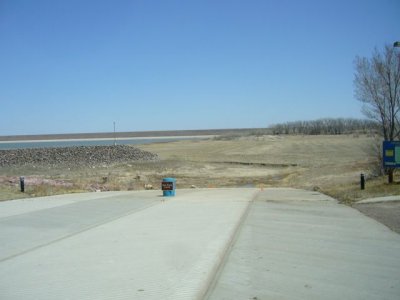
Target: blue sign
x=391 y=154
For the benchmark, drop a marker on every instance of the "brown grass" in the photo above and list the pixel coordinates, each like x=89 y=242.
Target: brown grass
x=350 y=193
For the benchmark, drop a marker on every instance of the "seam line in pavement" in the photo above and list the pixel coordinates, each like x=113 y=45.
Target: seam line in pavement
x=228 y=248
x=129 y=212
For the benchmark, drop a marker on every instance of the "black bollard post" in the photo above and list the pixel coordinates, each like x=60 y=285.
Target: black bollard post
x=362 y=181
x=22 y=183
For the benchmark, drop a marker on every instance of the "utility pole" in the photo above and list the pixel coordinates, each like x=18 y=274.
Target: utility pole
x=115 y=136
x=397 y=45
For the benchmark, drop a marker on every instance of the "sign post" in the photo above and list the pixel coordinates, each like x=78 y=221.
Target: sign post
x=391 y=156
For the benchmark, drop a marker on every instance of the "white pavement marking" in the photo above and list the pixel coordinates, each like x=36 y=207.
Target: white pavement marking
x=309 y=250
x=166 y=251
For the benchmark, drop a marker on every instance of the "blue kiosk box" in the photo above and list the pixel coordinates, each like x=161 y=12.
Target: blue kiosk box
x=168 y=186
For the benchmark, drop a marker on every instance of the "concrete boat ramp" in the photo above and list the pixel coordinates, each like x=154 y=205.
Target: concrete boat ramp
x=201 y=244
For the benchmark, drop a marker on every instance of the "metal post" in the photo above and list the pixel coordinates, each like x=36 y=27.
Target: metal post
x=22 y=184
x=362 y=181
x=390 y=175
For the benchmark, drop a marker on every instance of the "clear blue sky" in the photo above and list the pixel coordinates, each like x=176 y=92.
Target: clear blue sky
x=79 y=65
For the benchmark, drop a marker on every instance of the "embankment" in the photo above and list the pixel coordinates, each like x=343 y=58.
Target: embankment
x=74 y=156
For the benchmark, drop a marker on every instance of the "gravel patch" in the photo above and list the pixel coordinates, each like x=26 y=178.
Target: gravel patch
x=387 y=213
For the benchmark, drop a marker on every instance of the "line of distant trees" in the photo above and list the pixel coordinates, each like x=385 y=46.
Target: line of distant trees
x=326 y=126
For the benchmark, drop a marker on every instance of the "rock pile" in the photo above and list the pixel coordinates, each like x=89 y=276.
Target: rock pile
x=74 y=156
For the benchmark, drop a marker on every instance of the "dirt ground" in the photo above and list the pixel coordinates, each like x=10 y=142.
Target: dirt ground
x=310 y=162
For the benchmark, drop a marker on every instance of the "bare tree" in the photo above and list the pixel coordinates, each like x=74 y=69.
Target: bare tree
x=377 y=86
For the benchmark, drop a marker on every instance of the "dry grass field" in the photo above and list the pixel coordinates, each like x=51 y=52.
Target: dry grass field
x=330 y=164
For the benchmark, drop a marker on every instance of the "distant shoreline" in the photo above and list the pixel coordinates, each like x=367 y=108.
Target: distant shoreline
x=108 y=139
x=124 y=135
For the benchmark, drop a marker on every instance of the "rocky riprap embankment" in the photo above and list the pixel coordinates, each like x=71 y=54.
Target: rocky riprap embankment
x=74 y=156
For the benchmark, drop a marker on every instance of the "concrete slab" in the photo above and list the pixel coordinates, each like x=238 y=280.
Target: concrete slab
x=128 y=246
x=288 y=244
x=291 y=194
x=309 y=250
x=42 y=221
x=21 y=206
